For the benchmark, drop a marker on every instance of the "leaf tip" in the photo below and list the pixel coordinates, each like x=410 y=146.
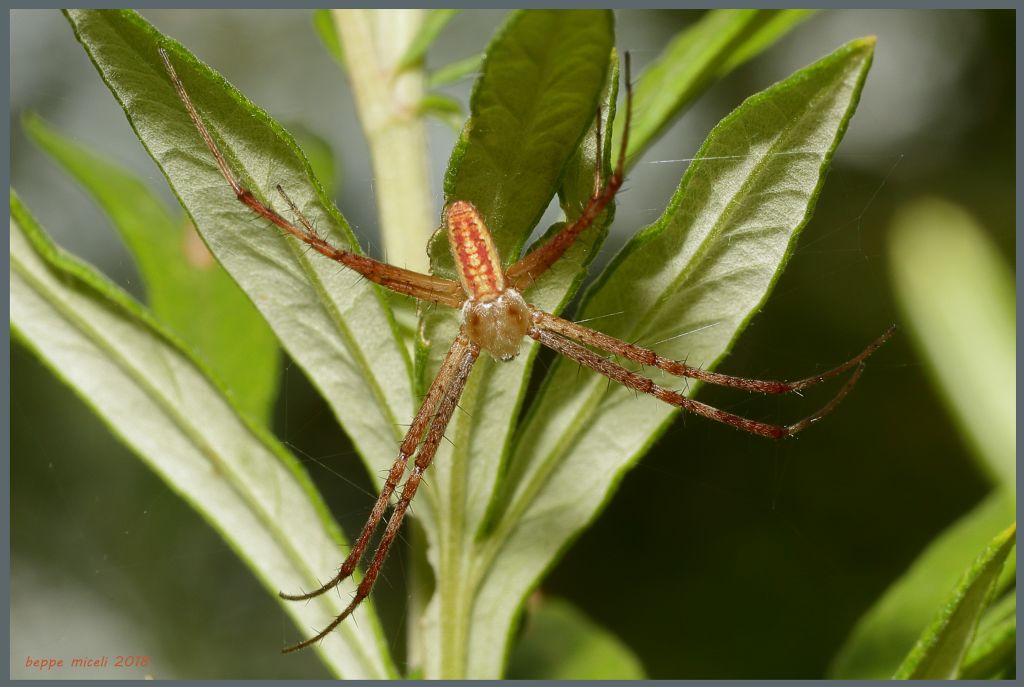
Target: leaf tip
x=865 y=43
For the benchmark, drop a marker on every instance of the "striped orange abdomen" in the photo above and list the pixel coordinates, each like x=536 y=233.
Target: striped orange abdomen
x=476 y=258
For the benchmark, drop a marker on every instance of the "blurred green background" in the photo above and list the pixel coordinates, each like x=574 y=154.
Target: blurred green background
x=721 y=555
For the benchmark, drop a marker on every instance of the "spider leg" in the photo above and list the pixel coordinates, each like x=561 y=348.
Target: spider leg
x=535 y=263
x=648 y=357
x=586 y=357
x=423 y=286
x=461 y=367
x=412 y=439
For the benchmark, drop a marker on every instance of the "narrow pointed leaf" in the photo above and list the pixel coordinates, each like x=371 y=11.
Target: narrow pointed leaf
x=187 y=290
x=884 y=636
x=325 y=28
x=705 y=267
x=338 y=327
x=958 y=297
x=445 y=108
x=767 y=28
x=943 y=645
x=714 y=46
x=994 y=650
x=433 y=24
x=455 y=71
x=160 y=402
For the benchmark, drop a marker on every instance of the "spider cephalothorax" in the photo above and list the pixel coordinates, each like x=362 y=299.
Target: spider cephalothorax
x=495 y=318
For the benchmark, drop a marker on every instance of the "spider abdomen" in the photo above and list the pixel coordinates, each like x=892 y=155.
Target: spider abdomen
x=497 y=324
x=476 y=258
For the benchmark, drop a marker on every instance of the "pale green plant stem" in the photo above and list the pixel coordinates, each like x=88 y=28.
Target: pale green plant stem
x=388 y=106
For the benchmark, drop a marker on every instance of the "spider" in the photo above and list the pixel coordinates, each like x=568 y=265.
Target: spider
x=495 y=318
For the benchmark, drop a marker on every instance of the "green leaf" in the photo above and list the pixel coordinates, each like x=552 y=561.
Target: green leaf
x=887 y=632
x=456 y=71
x=161 y=403
x=994 y=650
x=434 y=23
x=323 y=23
x=721 y=41
x=445 y=108
x=561 y=643
x=337 y=327
x=578 y=181
x=763 y=31
x=958 y=298
x=940 y=650
x=537 y=97
x=187 y=289
x=704 y=268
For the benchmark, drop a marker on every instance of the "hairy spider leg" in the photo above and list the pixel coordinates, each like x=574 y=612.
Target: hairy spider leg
x=535 y=263
x=645 y=356
x=423 y=286
x=461 y=368
x=440 y=385
x=617 y=373
x=441 y=399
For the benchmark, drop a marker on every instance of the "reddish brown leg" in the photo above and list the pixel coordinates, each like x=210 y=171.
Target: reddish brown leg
x=460 y=369
x=588 y=358
x=422 y=286
x=445 y=376
x=534 y=264
x=646 y=356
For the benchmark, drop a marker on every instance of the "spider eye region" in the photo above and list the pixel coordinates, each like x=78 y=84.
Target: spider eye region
x=498 y=324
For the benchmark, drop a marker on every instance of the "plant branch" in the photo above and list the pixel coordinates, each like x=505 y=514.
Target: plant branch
x=388 y=104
